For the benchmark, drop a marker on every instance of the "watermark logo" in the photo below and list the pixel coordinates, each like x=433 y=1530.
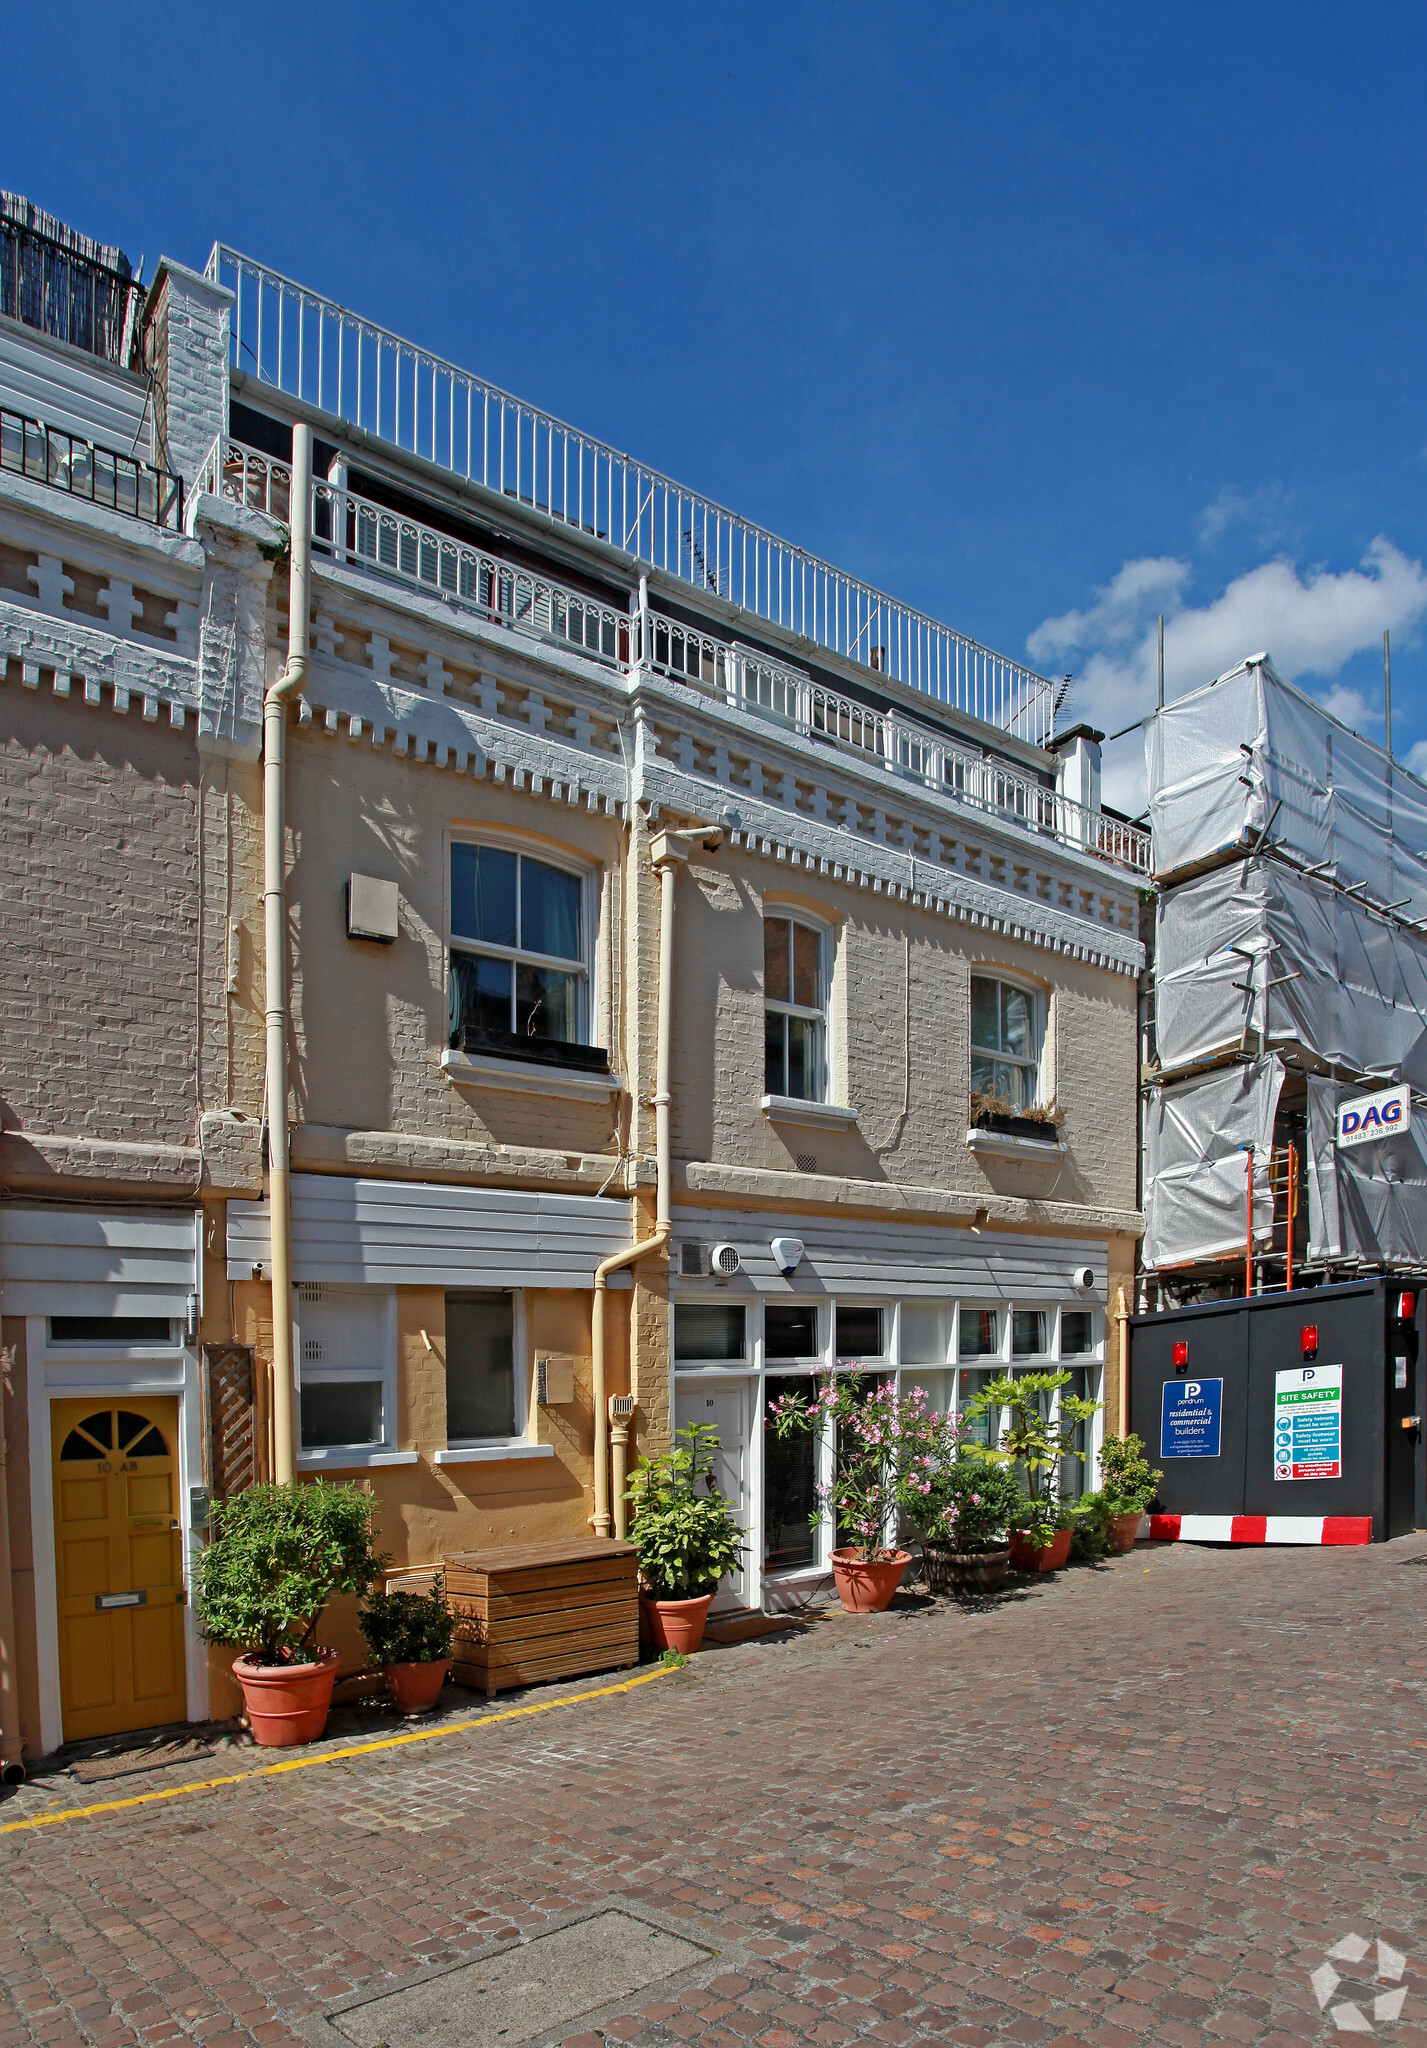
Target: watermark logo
x=1386 y=2006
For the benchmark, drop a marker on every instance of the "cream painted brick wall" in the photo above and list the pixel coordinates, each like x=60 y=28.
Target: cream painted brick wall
x=369 y=1021
x=718 y=1068
x=98 y=988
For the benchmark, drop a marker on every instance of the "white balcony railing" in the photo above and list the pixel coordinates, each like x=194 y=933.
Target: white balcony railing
x=328 y=357
x=751 y=682
x=351 y=529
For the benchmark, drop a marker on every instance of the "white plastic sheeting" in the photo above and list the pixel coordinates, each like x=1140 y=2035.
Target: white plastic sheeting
x=1196 y=1169
x=1360 y=1000
x=1369 y=1202
x=1220 y=759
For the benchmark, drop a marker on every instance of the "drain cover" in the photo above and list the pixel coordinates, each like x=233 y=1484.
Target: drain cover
x=524 y=1991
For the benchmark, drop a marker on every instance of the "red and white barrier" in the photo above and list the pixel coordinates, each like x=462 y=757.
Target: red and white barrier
x=1261 y=1528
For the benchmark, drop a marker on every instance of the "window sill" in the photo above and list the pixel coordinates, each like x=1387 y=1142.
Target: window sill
x=789 y=1109
x=351 y=1461
x=528 y=1079
x=1002 y=1145
x=490 y=1454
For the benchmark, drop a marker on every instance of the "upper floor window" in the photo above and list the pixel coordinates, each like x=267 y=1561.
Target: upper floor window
x=517 y=950
x=1006 y=1028
x=794 y=1010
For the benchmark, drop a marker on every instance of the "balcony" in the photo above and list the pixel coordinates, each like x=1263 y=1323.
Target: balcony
x=55 y=289
x=65 y=462
x=330 y=358
x=350 y=530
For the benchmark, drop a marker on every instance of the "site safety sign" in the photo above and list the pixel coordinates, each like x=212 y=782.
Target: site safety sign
x=1308 y=1422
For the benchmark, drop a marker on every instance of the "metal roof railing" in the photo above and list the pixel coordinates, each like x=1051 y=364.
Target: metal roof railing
x=58 y=291
x=326 y=356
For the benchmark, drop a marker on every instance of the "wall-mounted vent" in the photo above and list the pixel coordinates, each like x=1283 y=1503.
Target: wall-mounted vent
x=724 y=1261
x=311 y=1291
x=693 y=1260
x=806 y=1162
x=312 y=1351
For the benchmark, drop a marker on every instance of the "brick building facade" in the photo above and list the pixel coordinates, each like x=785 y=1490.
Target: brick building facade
x=892 y=903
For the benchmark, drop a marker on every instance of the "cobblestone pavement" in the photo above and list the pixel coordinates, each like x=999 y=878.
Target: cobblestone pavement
x=1138 y=1803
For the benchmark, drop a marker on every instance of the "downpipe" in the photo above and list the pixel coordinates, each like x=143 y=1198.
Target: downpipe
x=668 y=853
x=278 y=697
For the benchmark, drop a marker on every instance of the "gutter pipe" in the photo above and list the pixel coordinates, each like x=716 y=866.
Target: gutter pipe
x=668 y=852
x=12 y=1767
x=279 y=695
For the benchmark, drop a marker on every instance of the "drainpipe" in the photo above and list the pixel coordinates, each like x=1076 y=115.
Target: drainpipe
x=667 y=852
x=286 y=690
x=12 y=1769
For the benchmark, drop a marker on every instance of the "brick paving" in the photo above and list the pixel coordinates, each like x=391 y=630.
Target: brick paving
x=1133 y=1804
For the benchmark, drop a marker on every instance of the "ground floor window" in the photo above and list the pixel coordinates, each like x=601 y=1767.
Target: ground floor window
x=346 y=1368
x=480 y=1365
x=789 y=1497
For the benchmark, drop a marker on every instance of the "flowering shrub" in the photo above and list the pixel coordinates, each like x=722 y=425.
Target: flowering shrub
x=976 y=1502
x=888 y=1448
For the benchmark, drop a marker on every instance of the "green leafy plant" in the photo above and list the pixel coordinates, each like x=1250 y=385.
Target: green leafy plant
x=683 y=1528
x=1090 y=1521
x=1019 y=1408
x=408 y=1628
x=975 y=1503
x=277 y=1556
x=1126 y=1476
x=887 y=1450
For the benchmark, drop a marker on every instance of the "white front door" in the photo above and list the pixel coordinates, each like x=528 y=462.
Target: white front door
x=728 y=1408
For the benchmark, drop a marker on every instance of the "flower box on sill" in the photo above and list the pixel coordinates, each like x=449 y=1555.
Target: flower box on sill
x=542 y=1052
x=1040 y=1128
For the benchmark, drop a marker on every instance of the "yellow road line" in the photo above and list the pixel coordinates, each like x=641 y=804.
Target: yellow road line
x=332 y=1756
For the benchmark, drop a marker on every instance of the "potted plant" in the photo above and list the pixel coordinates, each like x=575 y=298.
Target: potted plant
x=686 y=1535
x=964 y=1546
x=993 y=1112
x=1129 y=1484
x=409 y=1636
x=276 y=1557
x=886 y=1448
x=1092 y=1530
x=1030 y=1441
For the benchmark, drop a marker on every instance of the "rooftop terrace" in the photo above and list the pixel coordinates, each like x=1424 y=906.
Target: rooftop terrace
x=327 y=357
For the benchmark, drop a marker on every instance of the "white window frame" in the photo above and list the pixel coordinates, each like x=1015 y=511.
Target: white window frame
x=457 y=1446
x=563 y=863
x=988 y=971
x=706 y=1297
x=793 y=914
x=381 y=1370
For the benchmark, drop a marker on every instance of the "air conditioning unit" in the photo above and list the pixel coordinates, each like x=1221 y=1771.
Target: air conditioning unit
x=693 y=1260
x=724 y=1261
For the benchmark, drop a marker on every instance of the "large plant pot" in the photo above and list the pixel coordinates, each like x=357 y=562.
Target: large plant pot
x=1029 y=1556
x=676 y=1624
x=415 y=1688
x=967 y=1574
x=287 y=1703
x=1123 y=1530
x=865 y=1587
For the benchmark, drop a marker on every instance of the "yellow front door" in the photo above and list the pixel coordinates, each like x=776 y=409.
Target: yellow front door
x=119 y=1564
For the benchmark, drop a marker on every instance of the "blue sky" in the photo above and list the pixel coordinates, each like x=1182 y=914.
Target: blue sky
x=1045 y=319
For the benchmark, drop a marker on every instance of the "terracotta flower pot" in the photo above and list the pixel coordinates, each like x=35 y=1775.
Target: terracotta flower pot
x=967 y=1574
x=1124 y=1529
x=415 y=1688
x=1029 y=1556
x=676 y=1624
x=287 y=1703
x=865 y=1587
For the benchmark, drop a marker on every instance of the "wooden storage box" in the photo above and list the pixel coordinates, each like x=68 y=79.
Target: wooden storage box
x=540 y=1611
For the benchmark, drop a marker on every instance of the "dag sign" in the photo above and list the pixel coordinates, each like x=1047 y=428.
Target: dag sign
x=1308 y=1422
x=1370 y=1117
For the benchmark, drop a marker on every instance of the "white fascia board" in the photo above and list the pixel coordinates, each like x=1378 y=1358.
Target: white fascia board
x=82 y=647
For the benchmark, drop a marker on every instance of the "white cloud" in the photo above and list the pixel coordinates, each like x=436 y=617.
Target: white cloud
x=1417 y=758
x=1311 y=623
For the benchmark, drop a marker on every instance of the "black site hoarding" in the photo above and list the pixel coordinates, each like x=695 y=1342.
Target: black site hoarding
x=1313 y=1399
